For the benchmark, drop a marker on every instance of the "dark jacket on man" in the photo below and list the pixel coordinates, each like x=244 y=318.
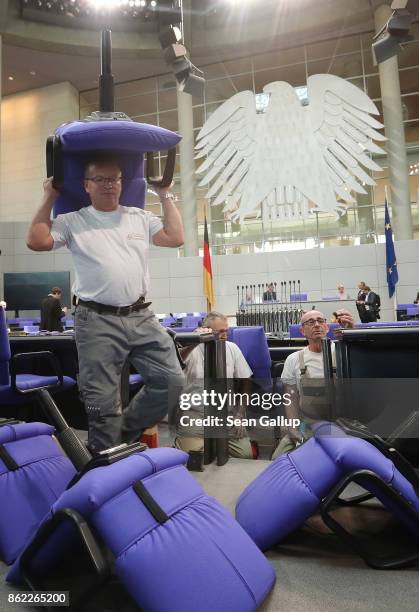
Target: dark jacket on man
x=51 y=314
x=372 y=304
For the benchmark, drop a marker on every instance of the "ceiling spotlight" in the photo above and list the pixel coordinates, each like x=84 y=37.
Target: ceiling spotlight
x=32 y=73
x=386 y=42
x=173 y=53
x=190 y=78
x=153 y=3
x=11 y=78
x=169 y=36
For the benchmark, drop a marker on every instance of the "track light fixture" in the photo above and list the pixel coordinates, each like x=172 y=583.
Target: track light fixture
x=190 y=78
x=387 y=41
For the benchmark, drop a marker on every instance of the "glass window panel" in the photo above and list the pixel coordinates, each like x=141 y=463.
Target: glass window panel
x=132 y=88
x=348 y=44
x=318 y=66
x=165 y=81
x=214 y=71
x=318 y=50
x=346 y=65
x=409 y=55
x=151 y=118
x=358 y=81
x=168 y=98
x=136 y=106
x=410 y=105
x=169 y=120
x=198 y=116
x=219 y=89
x=294 y=75
x=411 y=131
x=409 y=80
x=211 y=107
x=373 y=87
x=243 y=82
x=238 y=66
x=278 y=58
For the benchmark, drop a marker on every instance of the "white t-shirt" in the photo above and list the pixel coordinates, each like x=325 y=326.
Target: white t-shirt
x=110 y=252
x=313 y=361
x=236 y=367
x=236 y=364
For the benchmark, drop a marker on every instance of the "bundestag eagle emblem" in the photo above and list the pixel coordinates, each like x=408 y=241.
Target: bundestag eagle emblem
x=291 y=157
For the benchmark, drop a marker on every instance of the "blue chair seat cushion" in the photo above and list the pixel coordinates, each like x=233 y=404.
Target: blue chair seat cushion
x=24 y=382
x=27 y=493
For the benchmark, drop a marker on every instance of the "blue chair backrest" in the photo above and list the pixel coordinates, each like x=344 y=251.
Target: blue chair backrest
x=128 y=140
x=167 y=321
x=191 y=321
x=254 y=346
x=5 y=353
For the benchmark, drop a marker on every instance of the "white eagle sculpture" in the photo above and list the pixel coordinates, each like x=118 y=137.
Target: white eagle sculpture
x=291 y=154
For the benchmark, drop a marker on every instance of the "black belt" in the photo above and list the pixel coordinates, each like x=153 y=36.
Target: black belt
x=118 y=310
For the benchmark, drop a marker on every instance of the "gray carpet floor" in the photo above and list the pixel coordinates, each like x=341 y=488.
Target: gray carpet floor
x=314 y=571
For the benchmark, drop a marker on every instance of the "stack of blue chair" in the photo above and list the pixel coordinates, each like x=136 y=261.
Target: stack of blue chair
x=151 y=514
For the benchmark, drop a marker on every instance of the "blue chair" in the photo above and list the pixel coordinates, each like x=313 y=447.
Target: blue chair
x=15 y=386
x=254 y=346
x=31 y=329
x=33 y=474
x=167 y=321
x=311 y=478
x=191 y=321
x=73 y=143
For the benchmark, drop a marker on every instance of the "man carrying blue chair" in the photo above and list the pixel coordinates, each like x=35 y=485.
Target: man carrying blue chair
x=109 y=244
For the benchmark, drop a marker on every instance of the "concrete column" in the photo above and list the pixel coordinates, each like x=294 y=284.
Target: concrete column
x=186 y=149
x=395 y=145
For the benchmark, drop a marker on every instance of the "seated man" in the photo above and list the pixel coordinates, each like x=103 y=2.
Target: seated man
x=300 y=368
x=191 y=438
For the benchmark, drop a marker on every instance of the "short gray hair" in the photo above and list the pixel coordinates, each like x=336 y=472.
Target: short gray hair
x=208 y=320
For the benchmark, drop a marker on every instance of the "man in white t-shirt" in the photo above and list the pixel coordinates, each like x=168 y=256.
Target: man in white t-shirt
x=303 y=365
x=109 y=244
x=190 y=437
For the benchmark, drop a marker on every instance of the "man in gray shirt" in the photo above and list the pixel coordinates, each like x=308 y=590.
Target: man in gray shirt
x=109 y=244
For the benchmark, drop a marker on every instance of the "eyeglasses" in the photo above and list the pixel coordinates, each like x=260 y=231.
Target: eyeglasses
x=312 y=322
x=103 y=180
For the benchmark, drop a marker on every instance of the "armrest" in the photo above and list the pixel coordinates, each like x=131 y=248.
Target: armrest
x=47 y=356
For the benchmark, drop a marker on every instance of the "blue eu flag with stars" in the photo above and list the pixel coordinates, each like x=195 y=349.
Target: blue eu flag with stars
x=391 y=263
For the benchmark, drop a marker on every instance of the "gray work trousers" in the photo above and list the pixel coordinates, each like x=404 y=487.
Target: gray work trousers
x=104 y=342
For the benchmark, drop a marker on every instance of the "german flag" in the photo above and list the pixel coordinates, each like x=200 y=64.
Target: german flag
x=208 y=287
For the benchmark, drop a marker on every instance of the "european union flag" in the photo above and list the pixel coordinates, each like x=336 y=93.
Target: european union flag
x=391 y=263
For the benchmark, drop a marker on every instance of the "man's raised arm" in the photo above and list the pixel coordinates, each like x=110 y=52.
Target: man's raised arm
x=172 y=233
x=39 y=234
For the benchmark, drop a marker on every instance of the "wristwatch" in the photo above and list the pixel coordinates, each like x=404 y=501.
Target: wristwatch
x=166 y=196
